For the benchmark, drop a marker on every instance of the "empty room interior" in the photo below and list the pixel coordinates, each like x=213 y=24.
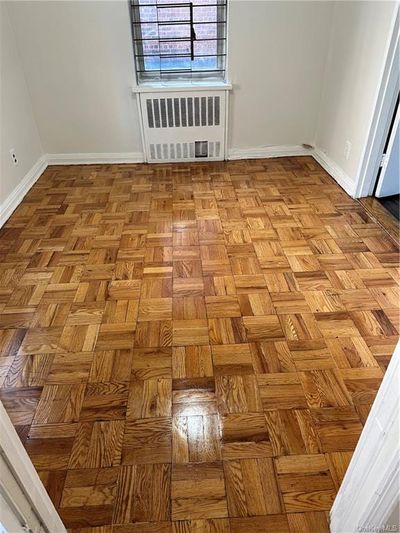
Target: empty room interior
x=199 y=267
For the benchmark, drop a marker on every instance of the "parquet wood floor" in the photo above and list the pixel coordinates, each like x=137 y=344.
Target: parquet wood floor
x=193 y=348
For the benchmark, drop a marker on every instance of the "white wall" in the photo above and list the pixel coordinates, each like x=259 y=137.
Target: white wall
x=303 y=72
x=78 y=61
x=359 y=36
x=17 y=124
x=277 y=52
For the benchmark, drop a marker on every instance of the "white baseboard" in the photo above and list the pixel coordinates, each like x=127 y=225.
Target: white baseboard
x=94 y=158
x=265 y=152
x=337 y=173
x=17 y=195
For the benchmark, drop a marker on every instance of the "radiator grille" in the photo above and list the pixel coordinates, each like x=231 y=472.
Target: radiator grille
x=184 y=112
x=183 y=126
x=189 y=150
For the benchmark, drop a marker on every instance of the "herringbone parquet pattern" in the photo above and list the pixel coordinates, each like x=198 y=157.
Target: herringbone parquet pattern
x=193 y=348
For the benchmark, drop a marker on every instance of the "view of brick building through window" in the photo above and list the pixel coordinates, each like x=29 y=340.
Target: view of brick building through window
x=159 y=47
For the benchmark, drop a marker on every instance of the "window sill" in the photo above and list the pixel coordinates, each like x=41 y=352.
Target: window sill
x=154 y=87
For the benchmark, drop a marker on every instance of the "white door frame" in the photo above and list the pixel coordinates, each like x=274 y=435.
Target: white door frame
x=388 y=182
x=25 y=475
x=383 y=112
x=370 y=491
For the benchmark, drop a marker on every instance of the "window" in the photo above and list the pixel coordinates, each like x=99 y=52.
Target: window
x=179 y=40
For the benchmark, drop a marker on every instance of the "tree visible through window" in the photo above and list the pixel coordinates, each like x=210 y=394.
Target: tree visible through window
x=179 y=39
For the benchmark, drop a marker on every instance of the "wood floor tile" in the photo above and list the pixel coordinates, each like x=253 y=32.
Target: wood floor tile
x=155 y=309
x=211 y=525
x=232 y=359
x=60 y=403
x=42 y=340
x=104 y=401
x=153 y=334
x=149 y=398
x=245 y=436
x=111 y=366
x=271 y=357
x=188 y=287
x=11 y=340
x=226 y=331
x=86 y=517
x=338 y=463
x=194 y=347
x=325 y=388
x=70 y=368
x=189 y=308
x=339 y=324
x=97 y=444
x=362 y=383
x=187 y=268
x=90 y=488
x=305 y=483
x=51 y=453
x=312 y=354
x=124 y=289
x=194 y=396
x=309 y=522
x=222 y=307
x=300 y=327
x=237 y=394
x=281 y=391
x=263 y=328
x=190 y=332
x=196 y=439
x=198 y=491
x=260 y=524
x=291 y=432
x=192 y=361
x=143 y=494
x=115 y=336
x=29 y=370
x=147 y=441
x=156 y=288
x=53 y=481
x=139 y=527
x=151 y=363
x=338 y=428
x=252 y=487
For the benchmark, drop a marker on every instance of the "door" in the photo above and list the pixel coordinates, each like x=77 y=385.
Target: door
x=24 y=503
x=389 y=178
x=369 y=497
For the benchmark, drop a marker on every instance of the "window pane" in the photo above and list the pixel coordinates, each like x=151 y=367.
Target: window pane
x=174 y=31
x=166 y=14
x=204 y=14
x=172 y=38
x=205 y=31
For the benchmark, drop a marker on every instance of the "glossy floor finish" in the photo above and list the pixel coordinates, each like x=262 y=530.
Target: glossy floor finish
x=391 y=204
x=194 y=347
x=382 y=216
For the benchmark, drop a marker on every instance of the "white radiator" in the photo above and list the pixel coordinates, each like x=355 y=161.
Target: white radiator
x=183 y=126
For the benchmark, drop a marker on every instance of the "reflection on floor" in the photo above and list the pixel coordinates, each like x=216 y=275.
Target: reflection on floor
x=382 y=216
x=193 y=347
x=392 y=204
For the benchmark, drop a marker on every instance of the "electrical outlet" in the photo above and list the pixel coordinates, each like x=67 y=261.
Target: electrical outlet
x=347 y=149
x=14 y=158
